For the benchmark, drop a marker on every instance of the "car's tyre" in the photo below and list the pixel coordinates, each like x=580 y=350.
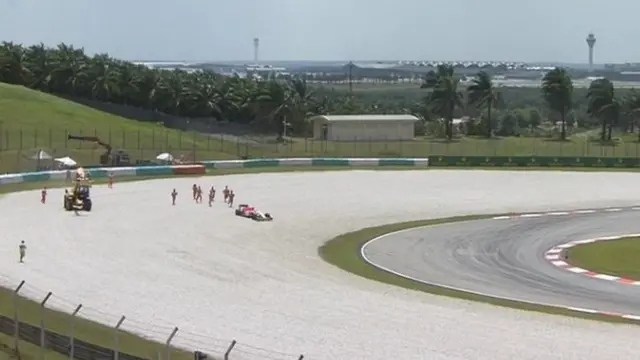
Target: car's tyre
x=67 y=204
x=238 y=212
x=86 y=206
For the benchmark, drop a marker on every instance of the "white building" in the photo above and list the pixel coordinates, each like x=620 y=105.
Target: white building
x=363 y=127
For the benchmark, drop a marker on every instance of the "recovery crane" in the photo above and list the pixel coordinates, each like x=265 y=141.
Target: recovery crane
x=78 y=197
x=121 y=158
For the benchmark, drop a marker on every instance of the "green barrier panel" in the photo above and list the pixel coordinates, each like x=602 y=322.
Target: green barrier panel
x=36 y=176
x=329 y=162
x=448 y=161
x=484 y=161
x=98 y=173
x=612 y=162
x=533 y=161
x=154 y=170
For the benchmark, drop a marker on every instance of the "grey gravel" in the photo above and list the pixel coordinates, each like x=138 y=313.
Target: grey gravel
x=220 y=277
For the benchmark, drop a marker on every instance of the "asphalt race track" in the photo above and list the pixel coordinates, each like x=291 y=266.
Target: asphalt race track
x=505 y=258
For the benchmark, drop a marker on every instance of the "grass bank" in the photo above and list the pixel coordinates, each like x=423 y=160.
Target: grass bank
x=344 y=252
x=31 y=120
x=613 y=257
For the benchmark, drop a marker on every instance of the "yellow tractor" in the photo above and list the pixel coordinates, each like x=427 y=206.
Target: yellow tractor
x=78 y=198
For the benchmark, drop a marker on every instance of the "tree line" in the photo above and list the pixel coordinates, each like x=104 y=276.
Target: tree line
x=272 y=104
x=557 y=90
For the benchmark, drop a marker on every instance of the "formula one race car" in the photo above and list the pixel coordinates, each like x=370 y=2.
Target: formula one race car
x=250 y=212
x=78 y=198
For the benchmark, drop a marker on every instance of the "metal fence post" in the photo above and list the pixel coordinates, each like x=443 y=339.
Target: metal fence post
x=42 y=352
x=226 y=354
x=167 y=344
x=16 y=320
x=72 y=347
x=116 y=333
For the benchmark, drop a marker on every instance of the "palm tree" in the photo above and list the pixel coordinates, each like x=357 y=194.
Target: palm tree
x=557 y=91
x=483 y=94
x=12 y=64
x=267 y=104
x=40 y=64
x=603 y=105
x=445 y=97
x=104 y=77
x=630 y=107
x=128 y=81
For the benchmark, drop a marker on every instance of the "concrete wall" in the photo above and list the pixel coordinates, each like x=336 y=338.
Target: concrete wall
x=365 y=130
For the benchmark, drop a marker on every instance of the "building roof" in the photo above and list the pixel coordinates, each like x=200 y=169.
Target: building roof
x=365 y=117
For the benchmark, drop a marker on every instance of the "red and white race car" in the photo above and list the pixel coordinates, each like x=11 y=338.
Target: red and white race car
x=252 y=213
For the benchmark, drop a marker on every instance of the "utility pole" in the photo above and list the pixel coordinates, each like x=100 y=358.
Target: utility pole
x=350 y=76
x=285 y=125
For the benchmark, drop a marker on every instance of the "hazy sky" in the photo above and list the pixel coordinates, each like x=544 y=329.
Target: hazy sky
x=536 y=30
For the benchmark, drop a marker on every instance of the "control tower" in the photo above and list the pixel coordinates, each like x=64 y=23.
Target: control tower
x=256 y=48
x=591 y=41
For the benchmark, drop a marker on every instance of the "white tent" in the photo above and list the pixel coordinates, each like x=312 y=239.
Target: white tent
x=165 y=157
x=41 y=155
x=66 y=161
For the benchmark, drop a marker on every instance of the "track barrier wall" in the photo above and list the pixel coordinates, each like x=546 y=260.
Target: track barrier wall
x=200 y=169
x=431 y=161
x=534 y=161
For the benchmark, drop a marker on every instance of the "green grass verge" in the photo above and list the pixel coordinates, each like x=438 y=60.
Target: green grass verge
x=344 y=252
x=613 y=257
x=27 y=351
x=577 y=146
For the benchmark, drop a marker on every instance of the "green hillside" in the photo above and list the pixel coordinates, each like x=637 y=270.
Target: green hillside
x=32 y=120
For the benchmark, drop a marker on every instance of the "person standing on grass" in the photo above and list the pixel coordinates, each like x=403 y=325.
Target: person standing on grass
x=23 y=251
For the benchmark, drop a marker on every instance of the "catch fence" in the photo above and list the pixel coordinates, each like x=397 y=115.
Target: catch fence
x=18 y=147
x=35 y=325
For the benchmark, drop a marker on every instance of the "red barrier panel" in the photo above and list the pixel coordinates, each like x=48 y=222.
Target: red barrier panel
x=189 y=170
